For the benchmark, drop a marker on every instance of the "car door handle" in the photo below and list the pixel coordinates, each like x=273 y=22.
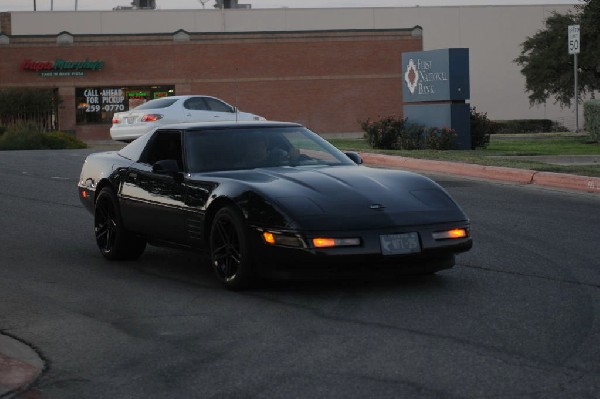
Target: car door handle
x=188 y=114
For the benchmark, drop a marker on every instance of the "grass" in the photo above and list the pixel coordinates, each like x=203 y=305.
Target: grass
x=545 y=146
x=503 y=151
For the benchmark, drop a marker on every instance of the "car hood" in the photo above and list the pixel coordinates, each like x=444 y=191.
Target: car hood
x=351 y=197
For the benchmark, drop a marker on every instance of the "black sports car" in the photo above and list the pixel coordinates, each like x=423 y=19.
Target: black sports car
x=267 y=197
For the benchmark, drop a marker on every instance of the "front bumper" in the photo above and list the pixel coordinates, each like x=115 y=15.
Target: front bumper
x=434 y=255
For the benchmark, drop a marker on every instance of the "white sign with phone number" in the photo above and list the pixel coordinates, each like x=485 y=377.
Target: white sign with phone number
x=112 y=100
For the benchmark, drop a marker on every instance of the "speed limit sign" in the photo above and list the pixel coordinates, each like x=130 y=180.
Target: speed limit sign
x=574 y=40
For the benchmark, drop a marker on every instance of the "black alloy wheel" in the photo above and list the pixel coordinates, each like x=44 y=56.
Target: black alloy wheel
x=229 y=251
x=114 y=242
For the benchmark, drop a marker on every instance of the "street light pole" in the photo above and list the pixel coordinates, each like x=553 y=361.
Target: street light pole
x=34 y=6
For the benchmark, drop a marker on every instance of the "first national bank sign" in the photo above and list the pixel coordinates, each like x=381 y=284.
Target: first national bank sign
x=436 y=75
x=435 y=89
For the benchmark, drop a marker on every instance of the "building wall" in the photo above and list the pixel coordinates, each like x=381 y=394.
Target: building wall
x=492 y=33
x=329 y=81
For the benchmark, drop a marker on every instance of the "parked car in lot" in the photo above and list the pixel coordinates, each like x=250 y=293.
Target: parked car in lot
x=144 y=118
x=264 y=197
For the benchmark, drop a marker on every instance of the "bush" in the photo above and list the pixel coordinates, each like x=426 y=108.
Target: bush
x=529 y=126
x=411 y=137
x=62 y=141
x=399 y=134
x=440 y=138
x=31 y=136
x=591 y=114
x=393 y=134
x=481 y=129
x=383 y=133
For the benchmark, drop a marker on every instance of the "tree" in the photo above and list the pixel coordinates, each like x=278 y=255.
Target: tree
x=589 y=59
x=547 y=65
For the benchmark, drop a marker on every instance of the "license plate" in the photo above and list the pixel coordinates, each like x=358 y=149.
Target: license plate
x=400 y=244
x=129 y=120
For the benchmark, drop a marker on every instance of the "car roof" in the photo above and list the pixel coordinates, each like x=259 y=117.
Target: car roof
x=228 y=124
x=186 y=97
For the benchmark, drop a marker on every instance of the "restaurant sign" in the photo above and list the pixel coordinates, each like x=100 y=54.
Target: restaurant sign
x=61 y=68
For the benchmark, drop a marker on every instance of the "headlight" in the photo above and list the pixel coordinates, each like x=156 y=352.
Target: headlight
x=323 y=242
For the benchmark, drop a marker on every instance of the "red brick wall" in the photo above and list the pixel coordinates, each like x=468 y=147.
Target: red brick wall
x=328 y=81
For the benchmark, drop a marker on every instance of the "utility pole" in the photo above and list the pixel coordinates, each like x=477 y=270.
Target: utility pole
x=34 y=6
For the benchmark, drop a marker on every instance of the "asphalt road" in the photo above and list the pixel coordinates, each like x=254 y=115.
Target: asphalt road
x=518 y=317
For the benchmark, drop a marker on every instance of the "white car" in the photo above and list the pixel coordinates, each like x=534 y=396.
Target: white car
x=129 y=125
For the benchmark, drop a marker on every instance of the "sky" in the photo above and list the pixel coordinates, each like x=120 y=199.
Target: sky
x=87 y=5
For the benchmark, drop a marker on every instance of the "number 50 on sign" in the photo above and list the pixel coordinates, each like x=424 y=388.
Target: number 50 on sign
x=574 y=40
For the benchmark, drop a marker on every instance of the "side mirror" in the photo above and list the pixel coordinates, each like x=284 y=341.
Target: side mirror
x=354 y=157
x=166 y=167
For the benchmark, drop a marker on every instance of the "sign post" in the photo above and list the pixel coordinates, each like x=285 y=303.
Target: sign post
x=574 y=47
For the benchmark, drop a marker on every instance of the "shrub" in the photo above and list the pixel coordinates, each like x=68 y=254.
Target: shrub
x=411 y=137
x=481 y=129
x=31 y=136
x=62 y=140
x=440 y=138
x=591 y=114
x=393 y=134
x=382 y=133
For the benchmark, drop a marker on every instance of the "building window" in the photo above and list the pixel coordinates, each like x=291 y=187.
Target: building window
x=99 y=104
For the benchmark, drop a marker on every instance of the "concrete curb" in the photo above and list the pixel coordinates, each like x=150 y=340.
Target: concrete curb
x=20 y=365
x=520 y=176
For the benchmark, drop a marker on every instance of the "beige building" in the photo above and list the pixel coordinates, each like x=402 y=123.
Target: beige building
x=492 y=33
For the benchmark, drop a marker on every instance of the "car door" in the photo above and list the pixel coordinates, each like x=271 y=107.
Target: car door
x=153 y=200
x=196 y=109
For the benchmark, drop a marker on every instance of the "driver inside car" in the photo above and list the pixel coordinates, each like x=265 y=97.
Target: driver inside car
x=258 y=153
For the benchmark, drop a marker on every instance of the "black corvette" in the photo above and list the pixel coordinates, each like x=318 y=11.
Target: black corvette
x=266 y=197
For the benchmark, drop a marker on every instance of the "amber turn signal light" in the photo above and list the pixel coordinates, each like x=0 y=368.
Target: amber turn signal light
x=450 y=234
x=283 y=239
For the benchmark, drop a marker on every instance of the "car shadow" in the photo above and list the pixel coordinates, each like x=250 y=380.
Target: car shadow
x=194 y=268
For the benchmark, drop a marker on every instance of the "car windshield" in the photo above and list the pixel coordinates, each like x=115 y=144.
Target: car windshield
x=252 y=147
x=157 y=104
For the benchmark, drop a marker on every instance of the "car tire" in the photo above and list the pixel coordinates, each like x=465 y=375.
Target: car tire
x=113 y=240
x=230 y=255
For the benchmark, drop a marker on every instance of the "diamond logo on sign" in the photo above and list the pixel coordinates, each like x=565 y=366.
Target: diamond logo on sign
x=411 y=76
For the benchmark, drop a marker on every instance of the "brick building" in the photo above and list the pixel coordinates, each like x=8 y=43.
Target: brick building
x=328 y=80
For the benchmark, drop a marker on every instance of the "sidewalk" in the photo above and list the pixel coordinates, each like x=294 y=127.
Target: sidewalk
x=20 y=365
x=520 y=176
